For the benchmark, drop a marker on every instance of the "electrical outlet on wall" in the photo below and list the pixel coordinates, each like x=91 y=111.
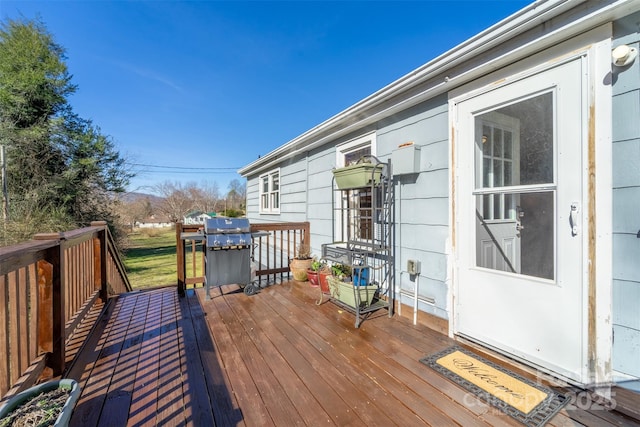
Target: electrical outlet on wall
x=413 y=266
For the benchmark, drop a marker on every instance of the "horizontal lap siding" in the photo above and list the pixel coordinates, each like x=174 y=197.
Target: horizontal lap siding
x=321 y=162
x=253 y=198
x=293 y=194
x=626 y=205
x=422 y=215
x=422 y=202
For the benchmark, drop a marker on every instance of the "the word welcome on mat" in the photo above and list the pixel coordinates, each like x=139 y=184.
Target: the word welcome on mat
x=530 y=403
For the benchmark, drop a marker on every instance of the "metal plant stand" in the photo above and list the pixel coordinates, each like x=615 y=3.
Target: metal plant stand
x=363 y=217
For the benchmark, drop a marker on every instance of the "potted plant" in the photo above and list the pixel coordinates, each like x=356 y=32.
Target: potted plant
x=313 y=272
x=358 y=175
x=345 y=282
x=49 y=403
x=317 y=275
x=301 y=263
x=323 y=278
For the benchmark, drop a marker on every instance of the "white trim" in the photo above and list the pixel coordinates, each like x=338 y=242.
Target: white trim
x=601 y=98
x=271 y=195
x=368 y=139
x=595 y=49
x=359 y=142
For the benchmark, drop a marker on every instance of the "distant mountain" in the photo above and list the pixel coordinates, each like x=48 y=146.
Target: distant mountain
x=134 y=197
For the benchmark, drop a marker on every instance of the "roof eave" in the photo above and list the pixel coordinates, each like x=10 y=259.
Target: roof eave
x=511 y=26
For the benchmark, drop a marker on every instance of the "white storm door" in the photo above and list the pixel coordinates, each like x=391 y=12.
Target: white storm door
x=519 y=175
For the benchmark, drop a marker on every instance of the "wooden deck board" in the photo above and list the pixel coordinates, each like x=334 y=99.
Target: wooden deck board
x=198 y=409
x=316 y=357
x=310 y=369
x=272 y=395
x=121 y=388
x=226 y=411
x=170 y=402
x=145 y=394
x=275 y=358
x=244 y=389
x=391 y=378
x=314 y=367
x=86 y=370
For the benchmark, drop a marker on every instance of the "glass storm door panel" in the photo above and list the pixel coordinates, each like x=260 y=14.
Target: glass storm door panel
x=518 y=199
x=515 y=149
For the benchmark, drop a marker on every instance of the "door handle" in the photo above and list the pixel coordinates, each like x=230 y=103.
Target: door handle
x=573 y=218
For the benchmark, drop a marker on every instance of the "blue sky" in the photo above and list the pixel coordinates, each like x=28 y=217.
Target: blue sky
x=215 y=84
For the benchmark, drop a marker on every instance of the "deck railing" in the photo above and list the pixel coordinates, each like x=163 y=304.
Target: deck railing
x=271 y=252
x=47 y=286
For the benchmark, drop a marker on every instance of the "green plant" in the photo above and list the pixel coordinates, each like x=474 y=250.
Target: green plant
x=318 y=265
x=341 y=270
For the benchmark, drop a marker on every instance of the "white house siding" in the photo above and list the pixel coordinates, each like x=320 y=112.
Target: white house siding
x=293 y=193
x=253 y=198
x=422 y=202
x=320 y=164
x=626 y=203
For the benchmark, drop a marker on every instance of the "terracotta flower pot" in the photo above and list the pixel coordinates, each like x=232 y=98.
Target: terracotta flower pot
x=299 y=268
x=324 y=282
x=313 y=278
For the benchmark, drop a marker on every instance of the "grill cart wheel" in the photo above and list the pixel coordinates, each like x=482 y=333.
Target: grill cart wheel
x=250 y=289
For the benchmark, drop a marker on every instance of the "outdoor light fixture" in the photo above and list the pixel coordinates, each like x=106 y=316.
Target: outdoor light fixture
x=623 y=55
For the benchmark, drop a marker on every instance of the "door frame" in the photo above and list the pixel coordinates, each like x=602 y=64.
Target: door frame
x=595 y=48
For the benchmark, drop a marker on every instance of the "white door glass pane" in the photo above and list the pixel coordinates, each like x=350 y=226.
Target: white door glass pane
x=515 y=228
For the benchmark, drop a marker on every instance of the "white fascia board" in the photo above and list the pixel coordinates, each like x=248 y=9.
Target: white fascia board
x=518 y=23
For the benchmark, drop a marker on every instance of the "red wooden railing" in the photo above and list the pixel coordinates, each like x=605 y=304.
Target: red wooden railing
x=47 y=286
x=271 y=251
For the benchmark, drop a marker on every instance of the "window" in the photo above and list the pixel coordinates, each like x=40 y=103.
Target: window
x=359 y=220
x=350 y=152
x=270 y=192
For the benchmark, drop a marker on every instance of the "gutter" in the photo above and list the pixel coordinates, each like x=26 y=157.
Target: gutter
x=342 y=123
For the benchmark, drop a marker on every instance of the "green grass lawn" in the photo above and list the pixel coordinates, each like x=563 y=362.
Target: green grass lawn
x=151 y=258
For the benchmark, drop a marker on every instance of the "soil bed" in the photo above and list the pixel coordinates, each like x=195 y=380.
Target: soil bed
x=41 y=410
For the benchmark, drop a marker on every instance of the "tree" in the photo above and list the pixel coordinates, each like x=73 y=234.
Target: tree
x=176 y=200
x=93 y=170
x=34 y=83
x=135 y=210
x=58 y=164
x=237 y=192
x=210 y=197
x=35 y=80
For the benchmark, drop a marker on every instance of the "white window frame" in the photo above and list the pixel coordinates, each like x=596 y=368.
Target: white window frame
x=355 y=144
x=342 y=150
x=269 y=198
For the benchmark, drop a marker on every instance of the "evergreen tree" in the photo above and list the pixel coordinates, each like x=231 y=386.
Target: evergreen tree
x=61 y=169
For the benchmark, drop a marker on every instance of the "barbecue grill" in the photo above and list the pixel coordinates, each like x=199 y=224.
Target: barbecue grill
x=228 y=253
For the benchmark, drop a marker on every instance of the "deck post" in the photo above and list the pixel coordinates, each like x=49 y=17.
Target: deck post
x=100 y=260
x=180 y=258
x=56 y=321
x=45 y=307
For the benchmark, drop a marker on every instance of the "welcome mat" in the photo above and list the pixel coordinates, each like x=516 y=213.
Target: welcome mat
x=530 y=403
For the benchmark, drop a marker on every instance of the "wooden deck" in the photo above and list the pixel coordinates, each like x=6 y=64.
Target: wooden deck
x=275 y=358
